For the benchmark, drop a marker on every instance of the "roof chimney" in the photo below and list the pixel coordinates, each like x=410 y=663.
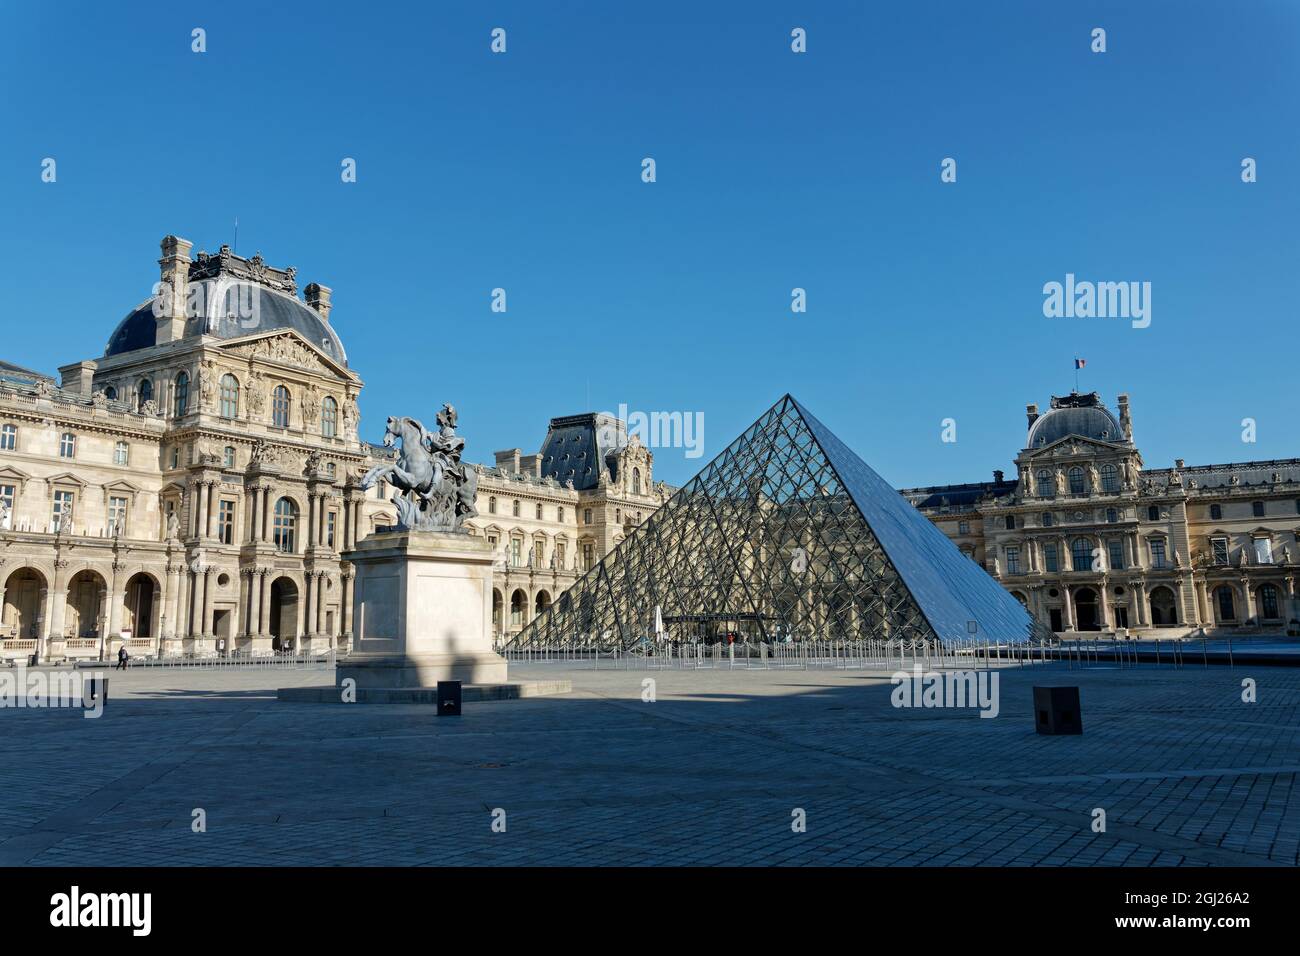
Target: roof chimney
x=508 y=460
x=169 y=309
x=1031 y=410
x=997 y=475
x=318 y=298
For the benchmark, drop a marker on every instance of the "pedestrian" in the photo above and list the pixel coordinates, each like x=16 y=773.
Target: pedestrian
x=122 y=656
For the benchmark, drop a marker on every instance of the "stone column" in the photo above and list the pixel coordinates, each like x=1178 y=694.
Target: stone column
x=192 y=597
x=1067 y=606
x=320 y=603
x=58 y=602
x=1250 y=599
x=210 y=510
x=307 y=620
x=1140 y=602
x=1103 y=606
x=266 y=507
x=345 y=607
x=251 y=499
x=115 y=603
x=208 y=575
x=324 y=518
x=264 y=615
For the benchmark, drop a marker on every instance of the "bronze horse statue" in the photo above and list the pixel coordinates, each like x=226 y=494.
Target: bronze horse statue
x=435 y=489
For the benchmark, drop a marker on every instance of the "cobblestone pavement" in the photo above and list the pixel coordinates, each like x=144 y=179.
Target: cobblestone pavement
x=711 y=772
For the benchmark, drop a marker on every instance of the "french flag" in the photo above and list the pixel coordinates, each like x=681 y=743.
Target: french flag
x=1079 y=363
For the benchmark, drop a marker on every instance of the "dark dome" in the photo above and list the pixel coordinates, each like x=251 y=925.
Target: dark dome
x=1090 y=420
x=233 y=310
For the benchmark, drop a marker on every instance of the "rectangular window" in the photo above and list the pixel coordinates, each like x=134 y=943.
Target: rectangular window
x=1013 y=560
x=226 y=522
x=559 y=512
x=516 y=552
x=121 y=453
x=62 y=506
x=492 y=540
x=1264 y=550
x=1219 y=548
x=116 y=517
x=1157 y=552
x=1049 y=557
x=67 y=445
x=963 y=527
x=7 y=495
x=559 y=555
x=588 y=556
x=539 y=512
x=586 y=516
x=1116 y=549
x=538 y=549
x=1258 y=507
x=331 y=520
x=9 y=442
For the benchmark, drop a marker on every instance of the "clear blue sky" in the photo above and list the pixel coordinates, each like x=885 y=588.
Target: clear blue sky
x=775 y=170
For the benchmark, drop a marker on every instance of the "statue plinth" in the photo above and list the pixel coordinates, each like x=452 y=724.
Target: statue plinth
x=422 y=612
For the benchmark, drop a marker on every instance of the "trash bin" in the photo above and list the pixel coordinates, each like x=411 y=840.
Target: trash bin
x=1056 y=710
x=448 y=698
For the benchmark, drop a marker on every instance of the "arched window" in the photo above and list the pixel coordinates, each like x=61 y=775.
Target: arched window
x=329 y=417
x=286 y=519
x=518 y=601
x=1075 y=475
x=229 y=396
x=110 y=393
x=1046 y=489
x=181 y=395
x=280 y=407
x=1081 y=554
x=492 y=505
x=636 y=481
x=144 y=394
x=1109 y=478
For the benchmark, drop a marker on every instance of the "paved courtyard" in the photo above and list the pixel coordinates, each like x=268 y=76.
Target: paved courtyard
x=709 y=773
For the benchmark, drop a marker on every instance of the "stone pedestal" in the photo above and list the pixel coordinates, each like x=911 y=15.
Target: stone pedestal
x=422 y=612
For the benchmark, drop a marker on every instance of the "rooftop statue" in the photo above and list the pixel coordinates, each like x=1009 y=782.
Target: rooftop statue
x=435 y=489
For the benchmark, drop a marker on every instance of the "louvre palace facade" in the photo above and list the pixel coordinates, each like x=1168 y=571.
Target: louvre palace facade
x=1089 y=539
x=191 y=490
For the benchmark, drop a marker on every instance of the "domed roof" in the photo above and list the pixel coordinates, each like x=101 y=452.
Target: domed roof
x=233 y=297
x=1081 y=416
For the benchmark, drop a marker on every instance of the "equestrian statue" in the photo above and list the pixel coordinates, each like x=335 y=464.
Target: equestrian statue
x=435 y=489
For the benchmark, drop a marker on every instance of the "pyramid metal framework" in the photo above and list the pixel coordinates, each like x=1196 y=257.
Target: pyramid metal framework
x=787 y=532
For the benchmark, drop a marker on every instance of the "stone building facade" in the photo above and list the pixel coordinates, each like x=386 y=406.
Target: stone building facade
x=193 y=489
x=1089 y=539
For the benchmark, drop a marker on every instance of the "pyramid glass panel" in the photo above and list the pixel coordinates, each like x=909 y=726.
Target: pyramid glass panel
x=786 y=533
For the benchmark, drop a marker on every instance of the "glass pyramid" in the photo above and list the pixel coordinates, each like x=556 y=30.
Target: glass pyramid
x=787 y=532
